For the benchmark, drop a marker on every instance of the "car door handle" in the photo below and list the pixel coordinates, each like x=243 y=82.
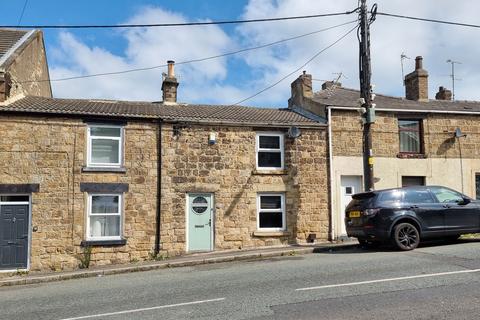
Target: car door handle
x=414 y=207
x=447 y=206
x=10 y=242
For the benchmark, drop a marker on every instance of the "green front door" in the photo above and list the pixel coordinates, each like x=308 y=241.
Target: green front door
x=200 y=214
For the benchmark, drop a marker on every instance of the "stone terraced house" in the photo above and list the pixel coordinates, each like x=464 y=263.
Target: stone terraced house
x=416 y=140
x=133 y=180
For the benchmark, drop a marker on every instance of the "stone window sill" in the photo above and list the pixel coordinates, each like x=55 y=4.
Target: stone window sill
x=104 y=169
x=103 y=243
x=411 y=156
x=269 y=172
x=271 y=233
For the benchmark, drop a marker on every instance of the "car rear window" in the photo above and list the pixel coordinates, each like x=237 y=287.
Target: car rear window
x=418 y=196
x=390 y=198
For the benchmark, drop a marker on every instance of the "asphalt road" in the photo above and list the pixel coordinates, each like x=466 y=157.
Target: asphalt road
x=436 y=281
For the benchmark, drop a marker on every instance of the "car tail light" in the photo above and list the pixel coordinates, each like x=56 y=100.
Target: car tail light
x=370 y=212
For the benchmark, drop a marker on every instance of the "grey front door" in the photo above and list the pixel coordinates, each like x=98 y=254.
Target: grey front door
x=13 y=236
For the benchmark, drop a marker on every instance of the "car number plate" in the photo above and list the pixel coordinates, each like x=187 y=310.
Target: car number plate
x=354 y=214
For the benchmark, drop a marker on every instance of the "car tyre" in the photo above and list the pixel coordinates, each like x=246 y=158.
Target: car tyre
x=405 y=236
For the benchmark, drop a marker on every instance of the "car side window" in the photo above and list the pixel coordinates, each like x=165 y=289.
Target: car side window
x=389 y=198
x=446 y=195
x=418 y=196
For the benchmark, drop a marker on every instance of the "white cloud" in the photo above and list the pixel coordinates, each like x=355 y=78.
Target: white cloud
x=145 y=47
x=215 y=81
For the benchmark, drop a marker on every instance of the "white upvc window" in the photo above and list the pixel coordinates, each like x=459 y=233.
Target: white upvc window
x=104 y=218
x=105 y=145
x=271 y=212
x=270 y=151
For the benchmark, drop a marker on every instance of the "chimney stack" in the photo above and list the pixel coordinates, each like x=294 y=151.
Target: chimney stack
x=300 y=88
x=416 y=83
x=443 y=94
x=170 y=84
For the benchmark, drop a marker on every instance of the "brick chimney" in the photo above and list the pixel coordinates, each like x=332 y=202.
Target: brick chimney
x=301 y=88
x=443 y=94
x=170 y=84
x=416 y=83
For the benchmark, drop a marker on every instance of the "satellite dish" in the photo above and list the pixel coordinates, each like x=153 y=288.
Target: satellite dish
x=294 y=132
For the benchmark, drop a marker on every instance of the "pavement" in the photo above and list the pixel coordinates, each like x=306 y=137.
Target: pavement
x=187 y=260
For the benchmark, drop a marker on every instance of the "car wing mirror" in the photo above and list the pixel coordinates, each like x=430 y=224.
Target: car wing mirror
x=465 y=201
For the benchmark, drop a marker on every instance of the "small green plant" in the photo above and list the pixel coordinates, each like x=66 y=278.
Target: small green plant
x=85 y=258
x=21 y=273
x=133 y=260
x=157 y=256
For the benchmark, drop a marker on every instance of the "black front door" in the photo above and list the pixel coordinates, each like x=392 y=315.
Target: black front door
x=13 y=236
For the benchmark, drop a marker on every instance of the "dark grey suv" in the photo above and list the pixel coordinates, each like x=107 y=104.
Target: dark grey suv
x=406 y=215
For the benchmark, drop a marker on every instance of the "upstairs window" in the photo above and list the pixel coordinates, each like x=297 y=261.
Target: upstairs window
x=410 y=132
x=105 y=144
x=269 y=147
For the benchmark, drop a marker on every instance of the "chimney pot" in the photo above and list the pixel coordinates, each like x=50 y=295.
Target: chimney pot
x=170 y=84
x=171 y=71
x=418 y=62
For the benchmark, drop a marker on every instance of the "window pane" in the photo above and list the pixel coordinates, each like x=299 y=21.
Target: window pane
x=105 y=151
x=269 y=142
x=390 y=198
x=413 y=181
x=271 y=220
x=446 y=195
x=269 y=160
x=105 y=132
x=409 y=141
x=270 y=202
x=409 y=124
x=418 y=196
x=104 y=226
x=14 y=198
x=105 y=204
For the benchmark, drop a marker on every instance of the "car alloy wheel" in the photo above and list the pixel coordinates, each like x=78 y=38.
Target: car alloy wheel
x=406 y=236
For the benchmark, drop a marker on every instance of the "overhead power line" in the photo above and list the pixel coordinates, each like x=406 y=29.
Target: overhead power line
x=21 y=14
x=184 y=24
x=429 y=20
x=192 y=60
x=297 y=69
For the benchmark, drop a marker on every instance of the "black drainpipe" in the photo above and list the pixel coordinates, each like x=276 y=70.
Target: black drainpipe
x=159 y=187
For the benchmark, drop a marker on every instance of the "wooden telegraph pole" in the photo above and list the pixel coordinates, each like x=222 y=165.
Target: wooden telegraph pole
x=368 y=108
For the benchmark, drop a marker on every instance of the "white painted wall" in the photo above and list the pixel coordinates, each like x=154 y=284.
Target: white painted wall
x=437 y=171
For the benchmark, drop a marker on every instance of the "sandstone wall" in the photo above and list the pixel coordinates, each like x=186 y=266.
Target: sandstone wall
x=227 y=169
x=438 y=132
x=52 y=152
x=31 y=64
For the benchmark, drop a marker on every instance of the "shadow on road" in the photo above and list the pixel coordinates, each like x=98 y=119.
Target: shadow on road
x=389 y=248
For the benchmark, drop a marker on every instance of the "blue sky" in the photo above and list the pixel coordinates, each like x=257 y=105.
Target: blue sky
x=229 y=80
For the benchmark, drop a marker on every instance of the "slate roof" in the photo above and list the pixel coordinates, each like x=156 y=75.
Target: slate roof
x=167 y=112
x=344 y=97
x=8 y=39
